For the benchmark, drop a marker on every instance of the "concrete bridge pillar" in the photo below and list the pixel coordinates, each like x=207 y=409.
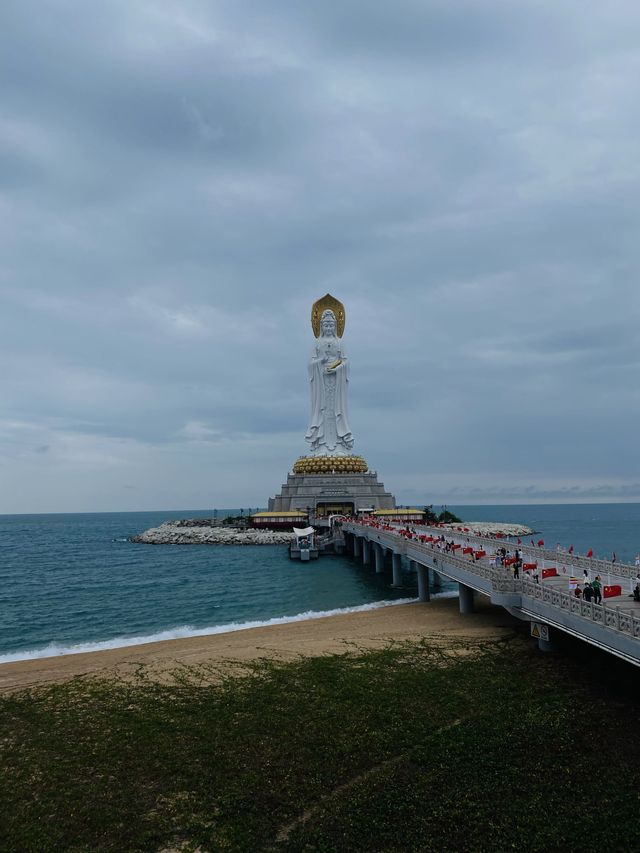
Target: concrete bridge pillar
x=423 y=583
x=357 y=546
x=378 y=552
x=465 y=594
x=545 y=645
x=436 y=580
x=412 y=565
x=396 y=565
x=366 y=551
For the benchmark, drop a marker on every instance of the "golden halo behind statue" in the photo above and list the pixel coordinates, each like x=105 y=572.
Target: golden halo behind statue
x=328 y=302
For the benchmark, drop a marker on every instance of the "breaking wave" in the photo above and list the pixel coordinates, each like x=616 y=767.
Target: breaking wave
x=181 y=632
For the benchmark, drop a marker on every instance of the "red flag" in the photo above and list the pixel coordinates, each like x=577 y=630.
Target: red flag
x=533 y=543
x=519 y=542
x=571 y=549
x=590 y=552
x=540 y=543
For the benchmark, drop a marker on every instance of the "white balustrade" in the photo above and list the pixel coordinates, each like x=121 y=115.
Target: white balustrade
x=502 y=581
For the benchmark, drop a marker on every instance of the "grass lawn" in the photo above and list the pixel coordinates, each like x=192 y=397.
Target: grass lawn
x=416 y=747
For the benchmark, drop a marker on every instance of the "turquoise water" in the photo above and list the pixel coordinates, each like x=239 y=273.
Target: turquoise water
x=68 y=582
x=607 y=528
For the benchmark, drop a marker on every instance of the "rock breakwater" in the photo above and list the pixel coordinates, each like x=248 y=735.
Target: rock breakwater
x=199 y=532
x=490 y=528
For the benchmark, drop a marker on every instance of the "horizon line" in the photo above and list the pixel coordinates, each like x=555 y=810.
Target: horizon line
x=454 y=505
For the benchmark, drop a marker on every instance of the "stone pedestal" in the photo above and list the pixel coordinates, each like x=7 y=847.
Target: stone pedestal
x=326 y=494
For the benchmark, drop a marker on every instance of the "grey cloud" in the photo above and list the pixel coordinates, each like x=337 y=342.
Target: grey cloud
x=179 y=182
x=534 y=494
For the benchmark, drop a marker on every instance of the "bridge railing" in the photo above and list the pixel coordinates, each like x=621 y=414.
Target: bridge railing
x=467 y=565
x=609 y=617
x=594 y=565
x=503 y=582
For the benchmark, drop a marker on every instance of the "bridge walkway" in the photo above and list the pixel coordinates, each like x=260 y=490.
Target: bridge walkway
x=568 y=566
x=613 y=626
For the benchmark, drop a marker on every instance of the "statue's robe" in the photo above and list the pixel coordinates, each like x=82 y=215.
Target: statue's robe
x=329 y=429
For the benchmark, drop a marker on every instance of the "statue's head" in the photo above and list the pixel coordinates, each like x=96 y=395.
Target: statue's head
x=328 y=324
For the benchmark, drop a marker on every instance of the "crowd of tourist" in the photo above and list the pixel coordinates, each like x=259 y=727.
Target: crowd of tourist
x=585 y=587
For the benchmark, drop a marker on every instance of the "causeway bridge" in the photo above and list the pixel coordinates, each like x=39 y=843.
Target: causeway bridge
x=613 y=626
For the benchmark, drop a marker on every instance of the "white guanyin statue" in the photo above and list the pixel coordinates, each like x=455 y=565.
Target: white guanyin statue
x=329 y=433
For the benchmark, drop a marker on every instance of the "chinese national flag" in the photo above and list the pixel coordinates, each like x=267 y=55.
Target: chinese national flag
x=540 y=543
x=590 y=552
x=519 y=542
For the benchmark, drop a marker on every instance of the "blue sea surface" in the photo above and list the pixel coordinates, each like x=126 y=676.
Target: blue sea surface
x=607 y=528
x=70 y=581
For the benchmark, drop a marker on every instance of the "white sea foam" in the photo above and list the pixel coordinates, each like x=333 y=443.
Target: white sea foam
x=448 y=593
x=55 y=650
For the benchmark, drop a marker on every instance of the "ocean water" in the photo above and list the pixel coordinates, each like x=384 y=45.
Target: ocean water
x=71 y=583
x=607 y=528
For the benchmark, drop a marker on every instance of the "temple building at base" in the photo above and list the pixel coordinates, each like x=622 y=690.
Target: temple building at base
x=345 y=489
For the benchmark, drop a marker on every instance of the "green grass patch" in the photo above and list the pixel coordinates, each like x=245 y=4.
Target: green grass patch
x=409 y=748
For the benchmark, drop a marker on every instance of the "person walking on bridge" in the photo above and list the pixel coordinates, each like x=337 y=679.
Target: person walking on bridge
x=597 y=590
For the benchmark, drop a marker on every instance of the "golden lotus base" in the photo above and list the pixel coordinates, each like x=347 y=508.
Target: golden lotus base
x=330 y=465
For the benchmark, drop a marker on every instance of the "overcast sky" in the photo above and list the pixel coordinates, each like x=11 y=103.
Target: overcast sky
x=179 y=181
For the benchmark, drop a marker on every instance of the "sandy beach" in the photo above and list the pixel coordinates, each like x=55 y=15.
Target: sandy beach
x=438 y=619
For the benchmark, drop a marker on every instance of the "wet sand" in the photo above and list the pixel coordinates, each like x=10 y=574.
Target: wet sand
x=438 y=619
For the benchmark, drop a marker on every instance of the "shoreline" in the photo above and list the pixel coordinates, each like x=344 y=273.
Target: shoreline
x=334 y=634
x=184 y=632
